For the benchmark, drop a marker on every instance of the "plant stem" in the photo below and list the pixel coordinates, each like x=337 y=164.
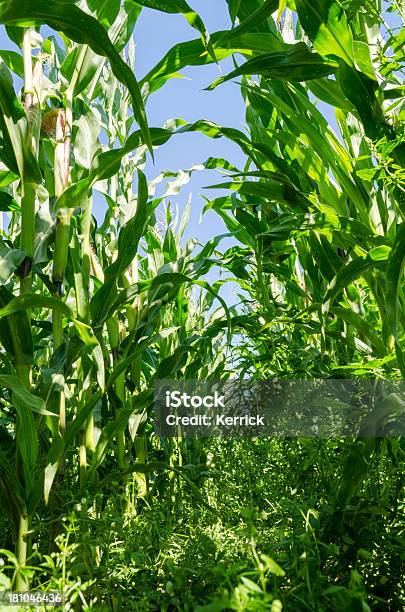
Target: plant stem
x=119 y=386
x=61 y=174
x=27 y=244
x=81 y=268
x=61 y=248
x=263 y=288
x=85 y=235
x=22 y=583
x=27 y=234
x=28 y=74
x=28 y=190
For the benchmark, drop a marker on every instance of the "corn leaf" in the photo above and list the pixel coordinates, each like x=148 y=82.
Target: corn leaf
x=250 y=23
x=395 y=269
x=24 y=397
x=12 y=493
x=355 y=269
x=15 y=331
x=180 y=6
x=325 y=22
x=295 y=64
x=10 y=259
x=31 y=300
x=16 y=131
x=192 y=53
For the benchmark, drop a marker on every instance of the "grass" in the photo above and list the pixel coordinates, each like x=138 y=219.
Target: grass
x=273 y=535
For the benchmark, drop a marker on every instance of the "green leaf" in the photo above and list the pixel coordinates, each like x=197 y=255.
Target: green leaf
x=233 y=6
x=250 y=22
x=12 y=500
x=363 y=59
x=354 y=471
x=118 y=20
x=7 y=202
x=33 y=300
x=247 y=8
x=394 y=276
x=24 y=397
x=10 y=259
x=356 y=268
x=388 y=410
x=123 y=364
x=86 y=142
x=192 y=53
x=363 y=327
x=329 y=91
x=106 y=165
x=53 y=458
x=18 y=134
x=272 y=566
x=105 y=11
x=27 y=442
x=87 y=335
x=14 y=61
x=295 y=64
x=25 y=404
x=82 y=28
x=15 y=331
x=180 y=6
x=321 y=138
x=363 y=94
x=80 y=66
x=74 y=429
x=276 y=191
x=250 y=585
x=123 y=25
x=7 y=156
x=324 y=21
x=120 y=422
x=6 y=176
x=367 y=174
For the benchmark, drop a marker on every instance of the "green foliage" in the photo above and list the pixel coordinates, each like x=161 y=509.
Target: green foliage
x=95 y=504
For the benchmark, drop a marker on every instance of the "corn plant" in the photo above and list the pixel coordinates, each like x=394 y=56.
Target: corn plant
x=319 y=210
x=90 y=314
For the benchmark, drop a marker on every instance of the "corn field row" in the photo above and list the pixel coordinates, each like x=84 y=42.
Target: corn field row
x=95 y=310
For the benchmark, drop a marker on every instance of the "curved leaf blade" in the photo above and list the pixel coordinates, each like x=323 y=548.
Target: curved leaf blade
x=180 y=6
x=296 y=64
x=394 y=274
